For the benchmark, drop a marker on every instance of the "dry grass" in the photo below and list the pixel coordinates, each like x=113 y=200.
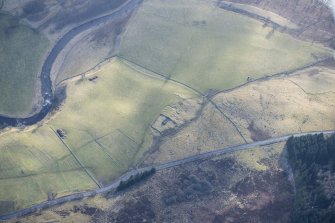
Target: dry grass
x=256 y=173
x=259 y=158
x=55 y=18
x=267 y=14
x=279 y=106
x=70 y=216
x=206 y=47
x=209 y=132
x=260 y=110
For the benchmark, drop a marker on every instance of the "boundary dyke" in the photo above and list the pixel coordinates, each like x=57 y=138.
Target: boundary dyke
x=148 y=72
x=286 y=73
x=230 y=6
x=46 y=83
x=158 y=167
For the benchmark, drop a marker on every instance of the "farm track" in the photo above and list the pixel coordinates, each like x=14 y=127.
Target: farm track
x=198 y=157
x=308 y=93
x=158 y=167
x=286 y=73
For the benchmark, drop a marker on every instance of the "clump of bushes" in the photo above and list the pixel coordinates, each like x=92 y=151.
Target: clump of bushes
x=61 y=133
x=135 y=179
x=190 y=187
x=33 y=7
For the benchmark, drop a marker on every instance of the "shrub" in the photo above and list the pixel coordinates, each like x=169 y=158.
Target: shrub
x=135 y=179
x=33 y=7
x=190 y=188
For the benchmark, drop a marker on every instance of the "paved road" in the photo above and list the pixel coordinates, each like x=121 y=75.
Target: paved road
x=159 y=167
x=47 y=93
x=219 y=152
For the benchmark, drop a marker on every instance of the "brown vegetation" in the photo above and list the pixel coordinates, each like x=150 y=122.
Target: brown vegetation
x=218 y=190
x=56 y=17
x=315 y=19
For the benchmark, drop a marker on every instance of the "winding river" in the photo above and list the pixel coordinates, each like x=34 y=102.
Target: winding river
x=46 y=83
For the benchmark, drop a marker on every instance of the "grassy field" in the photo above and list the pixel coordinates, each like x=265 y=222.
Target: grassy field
x=112 y=117
x=301 y=103
x=207 y=47
x=22 y=51
x=31 y=168
x=256 y=172
x=90 y=48
x=87 y=52
x=107 y=125
x=210 y=131
x=259 y=157
x=107 y=121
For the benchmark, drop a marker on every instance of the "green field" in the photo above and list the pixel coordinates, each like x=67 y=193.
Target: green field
x=30 y=168
x=107 y=124
x=107 y=121
x=22 y=51
x=207 y=47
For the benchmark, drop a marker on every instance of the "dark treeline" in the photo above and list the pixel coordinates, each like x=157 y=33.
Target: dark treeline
x=312 y=157
x=135 y=179
x=315 y=19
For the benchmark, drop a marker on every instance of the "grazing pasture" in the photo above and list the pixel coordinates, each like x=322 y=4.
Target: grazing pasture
x=260 y=110
x=22 y=51
x=31 y=167
x=206 y=47
x=105 y=125
x=300 y=103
